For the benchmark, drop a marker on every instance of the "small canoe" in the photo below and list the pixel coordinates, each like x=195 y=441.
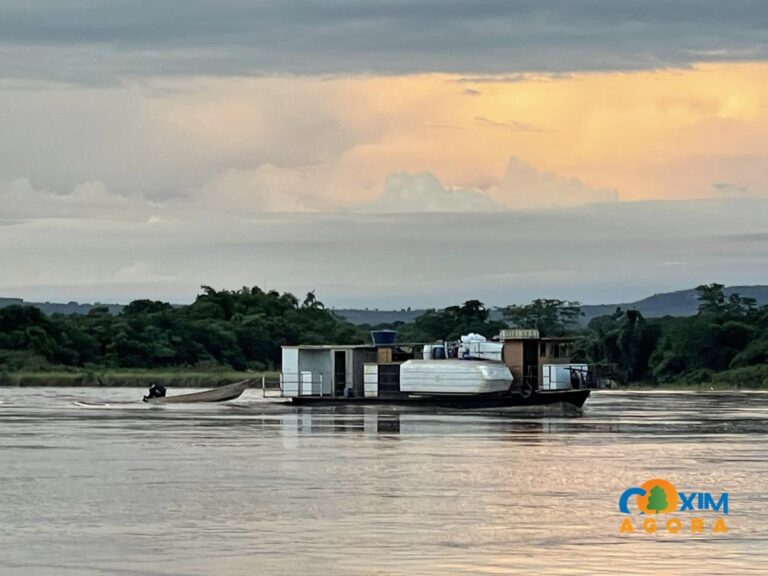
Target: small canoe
x=221 y=394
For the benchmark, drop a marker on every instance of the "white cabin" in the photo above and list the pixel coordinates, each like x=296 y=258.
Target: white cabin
x=357 y=371
x=324 y=370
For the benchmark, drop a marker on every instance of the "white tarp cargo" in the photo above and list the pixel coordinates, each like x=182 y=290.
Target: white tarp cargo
x=476 y=346
x=454 y=377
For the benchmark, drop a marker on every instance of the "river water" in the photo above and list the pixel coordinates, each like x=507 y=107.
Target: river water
x=254 y=487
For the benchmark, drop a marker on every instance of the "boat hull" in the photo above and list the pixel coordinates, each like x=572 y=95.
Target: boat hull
x=221 y=394
x=573 y=397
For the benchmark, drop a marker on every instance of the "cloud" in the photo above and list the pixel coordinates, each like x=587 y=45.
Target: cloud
x=164 y=138
x=265 y=189
x=270 y=189
x=522 y=187
x=508 y=125
x=514 y=78
x=603 y=252
x=730 y=189
x=525 y=187
x=106 y=41
x=314 y=189
x=134 y=141
x=648 y=134
x=19 y=199
x=413 y=193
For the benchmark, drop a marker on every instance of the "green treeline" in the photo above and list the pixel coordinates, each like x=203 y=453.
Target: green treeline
x=726 y=342
x=240 y=330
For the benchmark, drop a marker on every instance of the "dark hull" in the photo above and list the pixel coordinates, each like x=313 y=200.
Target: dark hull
x=573 y=397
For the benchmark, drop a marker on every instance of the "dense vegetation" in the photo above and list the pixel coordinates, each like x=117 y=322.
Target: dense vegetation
x=726 y=342
x=241 y=330
x=449 y=323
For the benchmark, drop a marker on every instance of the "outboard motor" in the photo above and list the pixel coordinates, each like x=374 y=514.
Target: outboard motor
x=155 y=391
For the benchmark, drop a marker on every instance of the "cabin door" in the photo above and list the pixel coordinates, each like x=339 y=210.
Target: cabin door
x=531 y=362
x=339 y=372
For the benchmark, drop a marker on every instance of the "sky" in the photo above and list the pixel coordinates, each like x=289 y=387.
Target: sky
x=384 y=154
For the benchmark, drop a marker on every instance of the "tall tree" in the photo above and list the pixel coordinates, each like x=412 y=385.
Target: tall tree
x=551 y=317
x=713 y=303
x=451 y=323
x=711 y=298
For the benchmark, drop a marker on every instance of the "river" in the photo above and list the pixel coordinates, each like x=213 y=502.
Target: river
x=254 y=487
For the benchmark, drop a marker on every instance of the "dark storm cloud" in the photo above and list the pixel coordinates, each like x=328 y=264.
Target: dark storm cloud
x=98 y=39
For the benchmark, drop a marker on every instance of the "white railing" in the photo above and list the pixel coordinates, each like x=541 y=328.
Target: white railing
x=302 y=383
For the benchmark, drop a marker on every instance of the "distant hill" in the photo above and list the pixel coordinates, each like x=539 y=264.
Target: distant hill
x=376 y=317
x=55 y=308
x=680 y=303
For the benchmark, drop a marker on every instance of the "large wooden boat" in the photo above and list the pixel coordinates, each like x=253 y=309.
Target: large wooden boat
x=519 y=368
x=221 y=394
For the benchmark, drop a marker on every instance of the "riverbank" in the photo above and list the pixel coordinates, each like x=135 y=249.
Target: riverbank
x=684 y=387
x=171 y=378
x=746 y=378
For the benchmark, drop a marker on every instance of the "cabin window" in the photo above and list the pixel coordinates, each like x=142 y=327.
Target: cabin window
x=555 y=350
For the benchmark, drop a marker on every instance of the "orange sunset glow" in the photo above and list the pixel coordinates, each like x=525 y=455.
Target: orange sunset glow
x=243 y=138
x=670 y=134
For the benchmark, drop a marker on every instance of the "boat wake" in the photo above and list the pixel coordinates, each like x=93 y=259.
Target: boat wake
x=86 y=404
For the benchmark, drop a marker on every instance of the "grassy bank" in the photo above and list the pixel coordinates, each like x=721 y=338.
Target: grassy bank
x=171 y=378
x=747 y=378
x=685 y=387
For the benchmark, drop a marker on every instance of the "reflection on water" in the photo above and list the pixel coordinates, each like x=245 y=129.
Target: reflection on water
x=257 y=487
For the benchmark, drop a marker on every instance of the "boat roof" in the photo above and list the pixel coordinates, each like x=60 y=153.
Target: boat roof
x=331 y=346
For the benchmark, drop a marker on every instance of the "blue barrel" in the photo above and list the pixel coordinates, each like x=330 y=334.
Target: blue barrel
x=438 y=353
x=383 y=337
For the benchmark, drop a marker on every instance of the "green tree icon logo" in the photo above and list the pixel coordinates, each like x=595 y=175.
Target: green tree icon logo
x=657 y=500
